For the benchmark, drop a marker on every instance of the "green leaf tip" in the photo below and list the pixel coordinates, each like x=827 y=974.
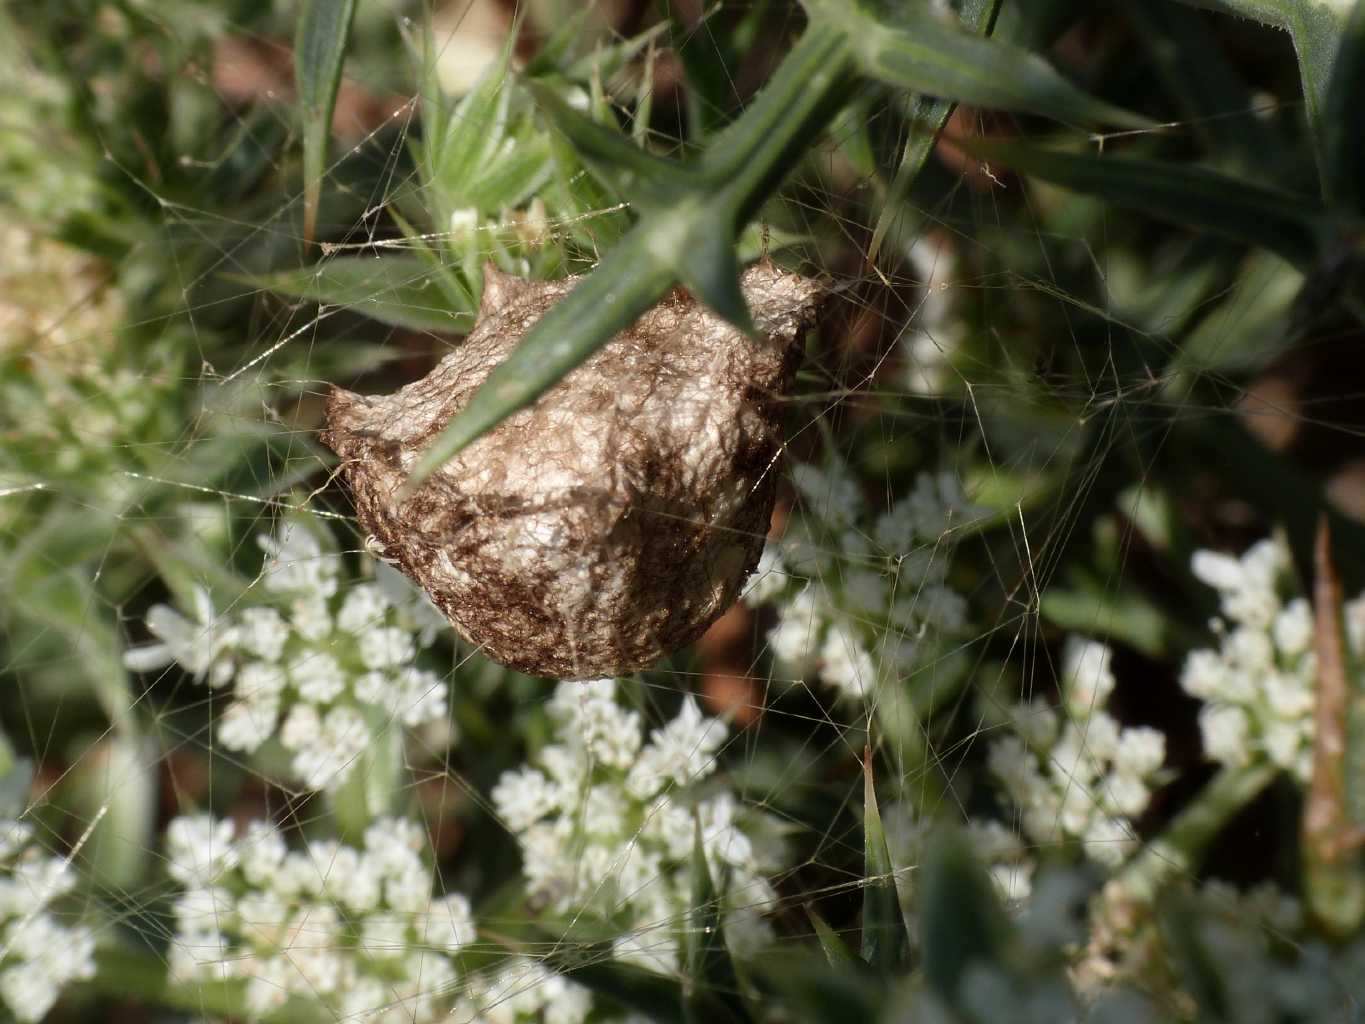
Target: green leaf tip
x=324 y=27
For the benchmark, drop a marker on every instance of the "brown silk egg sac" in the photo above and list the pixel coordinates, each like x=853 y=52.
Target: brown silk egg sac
x=614 y=520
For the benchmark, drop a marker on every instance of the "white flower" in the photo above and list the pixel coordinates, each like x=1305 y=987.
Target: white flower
x=260 y=852
x=1225 y=732
x=768 y=580
x=1085 y=777
x=1087 y=678
x=386 y=647
x=327 y=761
x=201 y=646
x=364 y=608
x=832 y=494
x=260 y=682
x=845 y=664
x=311 y=618
x=317 y=677
x=263 y=633
x=1260 y=682
x=613 y=837
x=448 y=925
x=681 y=752
x=199 y=849
x=1140 y=751
x=1219 y=571
x=523 y=797
x=1204 y=675
x=422 y=697
x=588 y=712
x=345 y=929
x=246 y=724
x=38 y=955
x=1109 y=840
x=793 y=640
x=295 y=562
x=1293 y=628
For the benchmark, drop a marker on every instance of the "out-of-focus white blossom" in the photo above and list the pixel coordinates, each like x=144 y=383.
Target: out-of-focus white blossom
x=606 y=821
x=1075 y=773
x=313 y=665
x=39 y=955
x=357 y=931
x=861 y=595
x=1259 y=684
x=522 y=991
x=934 y=332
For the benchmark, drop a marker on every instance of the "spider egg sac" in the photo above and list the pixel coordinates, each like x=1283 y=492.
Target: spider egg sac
x=616 y=518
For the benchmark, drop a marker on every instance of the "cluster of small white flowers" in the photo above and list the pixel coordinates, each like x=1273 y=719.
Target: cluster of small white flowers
x=605 y=826
x=522 y=991
x=1258 y=686
x=355 y=930
x=1073 y=772
x=38 y=955
x=319 y=667
x=853 y=591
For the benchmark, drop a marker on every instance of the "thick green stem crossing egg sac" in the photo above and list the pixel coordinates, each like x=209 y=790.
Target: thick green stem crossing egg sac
x=610 y=523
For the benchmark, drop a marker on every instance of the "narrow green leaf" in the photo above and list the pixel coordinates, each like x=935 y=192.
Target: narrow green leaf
x=926 y=55
x=1197 y=197
x=458 y=294
x=885 y=941
x=324 y=27
x=397 y=290
x=637 y=176
x=836 y=949
x=709 y=978
x=925 y=119
x=961 y=921
x=1343 y=119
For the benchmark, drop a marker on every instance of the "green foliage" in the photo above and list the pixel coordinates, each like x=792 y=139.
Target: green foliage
x=319 y=49
x=1097 y=324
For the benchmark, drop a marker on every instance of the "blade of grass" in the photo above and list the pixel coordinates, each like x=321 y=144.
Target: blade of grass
x=836 y=949
x=924 y=54
x=710 y=976
x=1292 y=226
x=397 y=290
x=1343 y=119
x=927 y=116
x=324 y=27
x=885 y=942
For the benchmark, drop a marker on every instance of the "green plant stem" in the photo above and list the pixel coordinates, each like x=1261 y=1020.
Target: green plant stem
x=1179 y=849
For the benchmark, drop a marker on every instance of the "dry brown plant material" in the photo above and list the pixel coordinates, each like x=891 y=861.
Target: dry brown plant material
x=612 y=522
